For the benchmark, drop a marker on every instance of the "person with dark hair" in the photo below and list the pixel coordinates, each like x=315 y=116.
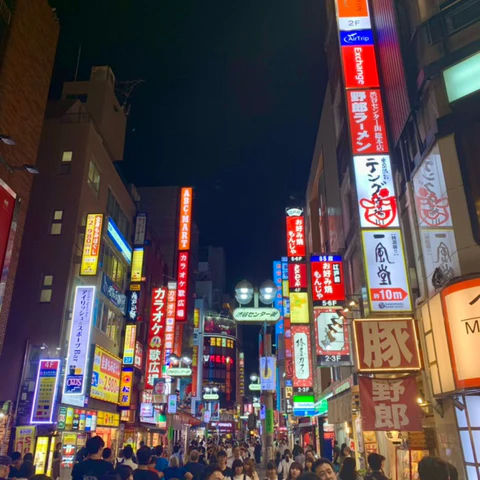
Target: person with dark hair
x=308 y=476
x=238 y=473
x=5 y=463
x=284 y=467
x=128 y=457
x=348 y=470
x=295 y=471
x=28 y=457
x=107 y=455
x=433 y=468
x=94 y=465
x=323 y=468
x=26 y=471
x=222 y=463
x=144 y=455
x=125 y=472
x=452 y=471
x=16 y=463
x=308 y=464
x=272 y=471
x=212 y=472
x=57 y=460
x=376 y=463
x=193 y=466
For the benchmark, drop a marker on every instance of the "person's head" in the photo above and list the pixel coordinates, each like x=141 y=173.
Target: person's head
x=287 y=454
x=308 y=476
x=323 y=468
x=128 y=452
x=143 y=455
x=212 y=472
x=237 y=467
x=433 y=468
x=236 y=452
x=194 y=456
x=346 y=452
x=174 y=463
x=120 y=453
x=26 y=470
x=95 y=445
x=308 y=464
x=452 y=471
x=125 y=472
x=176 y=448
x=158 y=450
x=348 y=468
x=142 y=443
x=335 y=443
x=271 y=470
x=16 y=459
x=107 y=454
x=222 y=458
x=375 y=461
x=5 y=463
x=28 y=457
x=249 y=466
x=58 y=446
x=309 y=455
x=296 y=470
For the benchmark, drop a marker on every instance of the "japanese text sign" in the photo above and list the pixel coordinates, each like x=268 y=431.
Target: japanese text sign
x=129 y=344
x=328 y=285
x=302 y=365
x=297 y=276
x=91 y=244
x=156 y=336
x=106 y=372
x=185 y=219
x=376 y=193
x=332 y=338
x=390 y=404
x=277 y=278
x=353 y=14
x=137 y=265
x=182 y=285
x=24 y=439
x=140 y=229
x=299 y=311
x=132 y=306
x=79 y=341
x=367 y=123
x=387 y=280
x=386 y=345
x=138 y=361
x=296 y=236
x=268 y=373
x=170 y=325
x=126 y=385
x=45 y=391
x=360 y=66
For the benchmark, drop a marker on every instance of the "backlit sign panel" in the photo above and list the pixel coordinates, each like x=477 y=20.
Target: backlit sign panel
x=367 y=124
x=360 y=66
x=91 y=244
x=126 y=385
x=386 y=345
x=182 y=285
x=296 y=237
x=129 y=344
x=119 y=241
x=463 y=78
x=45 y=391
x=387 y=281
x=140 y=229
x=106 y=372
x=185 y=219
x=137 y=265
x=328 y=285
x=138 y=360
x=156 y=336
x=297 y=276
x=299 y=312
x=79 y=341
x=170 y=323
x=302 y=365
x=356 y=37
x=353 y=14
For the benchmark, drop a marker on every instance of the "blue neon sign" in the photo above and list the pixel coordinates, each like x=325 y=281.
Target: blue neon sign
x=356 y=38
x=119 y=241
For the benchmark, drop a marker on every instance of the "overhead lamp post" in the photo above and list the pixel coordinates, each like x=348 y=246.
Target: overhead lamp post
x=15 y=168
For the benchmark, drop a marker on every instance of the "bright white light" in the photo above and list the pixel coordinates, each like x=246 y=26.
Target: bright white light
x=243 y=296
x=244 y=290
x=268 y=290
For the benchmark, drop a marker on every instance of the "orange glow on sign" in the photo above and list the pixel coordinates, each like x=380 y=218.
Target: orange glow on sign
x=352 y=8
x=185 y=219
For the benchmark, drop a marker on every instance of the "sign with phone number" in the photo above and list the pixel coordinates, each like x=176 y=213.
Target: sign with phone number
x=106 y=373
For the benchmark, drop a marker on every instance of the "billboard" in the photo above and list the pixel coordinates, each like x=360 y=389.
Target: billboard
x=295 y=234
x=299 y=312
x=185 y=219
x=129 y=344
x=328 y=284
x=182 y=285
x=386 y=345
x=119 y=241
x=360 y=66
x=137 y=264
x=106 y=372
x=156 y=335
x=140 y=229
x=297 y=276
x=91 y=244
x=79 y=341
x=45 y=391
x=126 y=385
x=170 y=322
x=302 y=364
x=268 y=373
x=138 y=360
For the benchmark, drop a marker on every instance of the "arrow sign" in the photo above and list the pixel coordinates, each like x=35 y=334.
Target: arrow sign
x=379 y=294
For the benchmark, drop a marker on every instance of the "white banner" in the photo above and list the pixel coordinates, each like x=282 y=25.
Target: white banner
x=268 y=369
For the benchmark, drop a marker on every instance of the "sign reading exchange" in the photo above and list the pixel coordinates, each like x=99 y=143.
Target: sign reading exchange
x=250 y=314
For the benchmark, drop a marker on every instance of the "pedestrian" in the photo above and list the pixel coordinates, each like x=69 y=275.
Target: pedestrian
x=94 y=465
x=284 y=466
x=162 y=462
x=174 y=470
x=222 y=463
x=308 y=465
x=57 y=460
x=257 y=452
x=271 y=471
x=336 y=455
x=125 y=472
x=249 y=468
x=212 y=472
x=236 y=455
x=16 y=463
x=238 y=472
x=107 y=455
x=297 y=449
x=376 y=462
x=28 y=457
x=345 y=453
x=26 y=471
x=295 y=471
x=144 y=455
x=433 y=468
x=5 y=464
x=193 y=466
x=452 y=471
x=348 y=470
x=323 y=468
x=128 y=457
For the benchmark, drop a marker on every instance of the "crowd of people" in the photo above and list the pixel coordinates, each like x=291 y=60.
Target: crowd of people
x=214 y=460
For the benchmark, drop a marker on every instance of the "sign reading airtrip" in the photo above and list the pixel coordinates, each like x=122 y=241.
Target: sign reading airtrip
x=185 y=218
x=91 y=244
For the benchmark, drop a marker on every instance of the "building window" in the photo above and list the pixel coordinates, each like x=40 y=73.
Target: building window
x=115 y=211
x=66 y=161
x=108 y=322
x=56 y=226
x=94 y=177
x=46 y=290
x=114 y=267
x=67 y=157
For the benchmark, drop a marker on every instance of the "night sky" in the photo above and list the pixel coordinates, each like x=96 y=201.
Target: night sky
x=230 y=104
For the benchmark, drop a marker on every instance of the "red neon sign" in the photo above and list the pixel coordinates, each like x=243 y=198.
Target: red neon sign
x=185 y=218
x=328 y=284
x=296 y=236
x=182 y=284
x=297 y=275
x=360 y=66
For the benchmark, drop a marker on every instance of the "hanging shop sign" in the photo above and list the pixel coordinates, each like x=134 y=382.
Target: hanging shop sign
x=119 y=241
x=386 y=345
x=268 y=370
x=140 y=229
x=108 y=419
x=359 y=66
x=332 y=339
x=156 y=336
x=132 y=308
x=79 y=341
x=126 y=385
x=356 y=37
x=113 y=293
x=278 y=304
x=297 y=276
x=390 y=404
x=295 y=234
x=182 y=285
x=376 y=193
x=24 y=440
x=195 y=349
x=299 y=312
x=367 y=123
x=129 y=344
x=172 y=404
x=179 y=372
x=461 y=309
x=106 y=372
x=137 y=264
x=241 y=374
x=91 y=244
x=328 y=286
x=255 y=387
x=45 y=391
x=210 y=396
x=353 y=15
x=302 y=366
x=387 y=281
x=170 y=322
x=185 y=218
x=138 y=360
x=252 y=315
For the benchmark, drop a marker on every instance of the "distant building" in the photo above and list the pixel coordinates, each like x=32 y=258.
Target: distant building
x=210 y=284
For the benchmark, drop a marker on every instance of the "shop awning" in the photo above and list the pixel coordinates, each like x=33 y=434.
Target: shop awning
x=340 y=408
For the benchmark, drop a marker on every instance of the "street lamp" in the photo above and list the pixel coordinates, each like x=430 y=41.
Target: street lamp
x=253 y=377
x=244 y=292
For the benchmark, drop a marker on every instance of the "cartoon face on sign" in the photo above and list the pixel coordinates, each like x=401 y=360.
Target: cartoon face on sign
x=432 y=210
x=381 y=209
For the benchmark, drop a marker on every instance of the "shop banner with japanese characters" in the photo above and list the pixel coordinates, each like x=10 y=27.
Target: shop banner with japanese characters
x=185 y=218
x=297 y=276
x=106 y=373
x=170 y=323
x=386 y=345
x=138 y=360
x=126 y=385
x=295 y=234
x=299 y=312
x=332 y=339
x=137 y=264
x=140 y=229
x=182 y=285
x=328 y=287
x=129 y=344
x=45 y=391
x=156 y=336
x=91 y=244
x=278 y=304
x=390 y=404
x=79 y=341
x=302 y=364
x=376 y=193
x=387 y=280
x=367 y=123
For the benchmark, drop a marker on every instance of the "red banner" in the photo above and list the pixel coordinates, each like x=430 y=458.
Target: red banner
x=185 y=218
x=302 y=364
x=170 y=327
x=182 y=285
x=288 y=348
x=360 y=66
x=297 y=276
x=386 y=345
x=296 y=236
x=328 y=284
x=367 y=122
x=390 y=405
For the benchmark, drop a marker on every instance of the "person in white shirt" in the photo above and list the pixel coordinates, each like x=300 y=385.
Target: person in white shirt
x=236 y=456
x=285 y=464
x=127 y=457
x=238 y=473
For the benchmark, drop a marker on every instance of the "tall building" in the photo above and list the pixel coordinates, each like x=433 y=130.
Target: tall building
x=28 y=40
x=210 y=283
